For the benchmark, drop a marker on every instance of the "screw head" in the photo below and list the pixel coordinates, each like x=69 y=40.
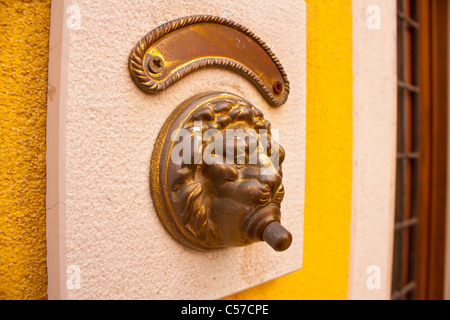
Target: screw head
x=155 y=64
x=277 y=87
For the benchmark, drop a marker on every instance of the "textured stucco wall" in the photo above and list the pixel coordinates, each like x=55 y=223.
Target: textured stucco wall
x=375 y=142
x=328 y=157
x=24 y=27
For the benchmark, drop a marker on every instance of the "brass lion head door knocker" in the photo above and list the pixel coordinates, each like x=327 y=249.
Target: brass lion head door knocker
x=215 y=178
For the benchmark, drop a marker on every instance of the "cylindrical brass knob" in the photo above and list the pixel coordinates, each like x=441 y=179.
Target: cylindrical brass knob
x=277 y=236
x=265 y=225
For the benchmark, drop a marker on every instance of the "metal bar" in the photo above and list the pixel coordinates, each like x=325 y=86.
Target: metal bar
x=400 y=6
x=408 y=86
x=397 y=295
x=408 y=155
x=406 y=224
x=415 y=186
x=408 y=20
x=413 y=256
x=404 y=155
x=404 y=161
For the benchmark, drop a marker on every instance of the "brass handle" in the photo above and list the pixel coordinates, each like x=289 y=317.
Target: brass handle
x=206 y=201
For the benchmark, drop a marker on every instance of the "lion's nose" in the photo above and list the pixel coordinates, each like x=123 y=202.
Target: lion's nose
x=271 y=180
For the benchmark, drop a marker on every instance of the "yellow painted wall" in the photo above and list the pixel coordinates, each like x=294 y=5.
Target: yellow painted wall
x=24 y=27
x=24 y=53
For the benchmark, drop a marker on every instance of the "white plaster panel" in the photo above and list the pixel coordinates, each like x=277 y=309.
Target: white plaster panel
x=111 y=231
x=374 y=140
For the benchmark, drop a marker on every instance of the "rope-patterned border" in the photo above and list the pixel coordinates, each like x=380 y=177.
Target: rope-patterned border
x=147 y=84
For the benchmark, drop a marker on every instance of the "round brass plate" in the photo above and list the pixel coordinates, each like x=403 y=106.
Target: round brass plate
x=210 y=203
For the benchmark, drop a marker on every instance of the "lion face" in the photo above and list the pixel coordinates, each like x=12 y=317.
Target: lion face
x=227 y=203
x=239 y=193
